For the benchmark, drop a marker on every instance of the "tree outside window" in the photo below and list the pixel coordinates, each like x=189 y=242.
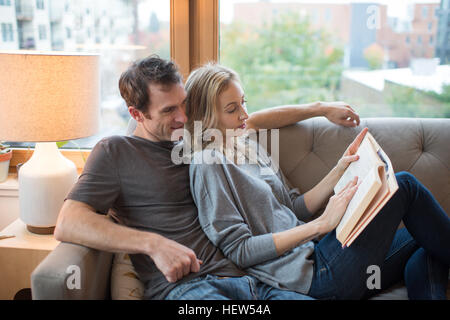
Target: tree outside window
x=285 y=55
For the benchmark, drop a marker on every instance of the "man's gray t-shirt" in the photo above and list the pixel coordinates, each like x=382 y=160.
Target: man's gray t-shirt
x=137 y=178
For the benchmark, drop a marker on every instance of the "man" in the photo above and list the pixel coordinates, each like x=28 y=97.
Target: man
x=157 y=218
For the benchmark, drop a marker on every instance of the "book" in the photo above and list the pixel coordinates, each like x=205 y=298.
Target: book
x=377 y=185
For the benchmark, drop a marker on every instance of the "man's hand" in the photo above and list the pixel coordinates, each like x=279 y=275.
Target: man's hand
x=340 y=113
x=173 y=259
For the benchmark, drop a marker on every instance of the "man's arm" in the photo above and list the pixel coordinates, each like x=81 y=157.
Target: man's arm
x=337 y=112
x=79 y=223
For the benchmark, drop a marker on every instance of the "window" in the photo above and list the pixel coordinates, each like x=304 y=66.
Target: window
x=10 y=32
x=42 y=32
x=352 y=53
x=119 y=36
x=40 y=4
x=4 y=33
x=430 y=26
x=425 y=12
x=327 y=14
x=7 y=32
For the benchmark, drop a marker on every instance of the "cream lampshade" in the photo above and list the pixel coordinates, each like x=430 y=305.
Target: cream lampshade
x=47 y=97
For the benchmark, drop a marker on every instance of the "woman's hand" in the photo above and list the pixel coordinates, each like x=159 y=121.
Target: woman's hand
x=349 y=154
x=336 y=207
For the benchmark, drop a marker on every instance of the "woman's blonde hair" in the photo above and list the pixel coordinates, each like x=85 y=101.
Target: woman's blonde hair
x=203 y=87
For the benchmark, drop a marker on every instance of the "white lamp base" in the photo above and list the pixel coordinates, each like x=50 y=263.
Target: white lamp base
x=44 y=182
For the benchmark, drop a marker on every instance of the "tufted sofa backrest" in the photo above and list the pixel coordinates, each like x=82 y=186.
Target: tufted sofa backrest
x=311 y=148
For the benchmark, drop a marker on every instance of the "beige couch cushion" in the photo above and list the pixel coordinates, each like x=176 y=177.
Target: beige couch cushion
x=125 y=283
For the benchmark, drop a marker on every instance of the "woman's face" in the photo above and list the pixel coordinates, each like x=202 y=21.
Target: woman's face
x=232 y=112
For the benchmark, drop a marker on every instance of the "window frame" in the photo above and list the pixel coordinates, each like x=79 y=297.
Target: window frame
x=194 y=33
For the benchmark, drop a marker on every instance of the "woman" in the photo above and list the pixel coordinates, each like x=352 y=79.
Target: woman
x=259 y=221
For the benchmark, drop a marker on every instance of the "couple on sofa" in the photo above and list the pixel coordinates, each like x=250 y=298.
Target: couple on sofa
x=226 y=231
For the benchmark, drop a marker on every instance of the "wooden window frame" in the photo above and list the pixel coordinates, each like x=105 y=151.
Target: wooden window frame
x=194 y=40
x=194 y=33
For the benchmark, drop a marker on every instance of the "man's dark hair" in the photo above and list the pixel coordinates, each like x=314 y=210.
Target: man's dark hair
x=134 y=82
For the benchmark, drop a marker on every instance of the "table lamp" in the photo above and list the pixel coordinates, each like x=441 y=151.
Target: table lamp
x=47 y=97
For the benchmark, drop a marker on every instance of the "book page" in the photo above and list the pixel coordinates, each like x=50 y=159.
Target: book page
x=377 y=185
x=367 y=189
x=368 y=159
x=387 y=190
x=371 y=211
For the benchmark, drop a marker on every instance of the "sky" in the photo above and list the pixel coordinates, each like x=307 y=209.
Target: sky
x=395 y=7
x=162 y=8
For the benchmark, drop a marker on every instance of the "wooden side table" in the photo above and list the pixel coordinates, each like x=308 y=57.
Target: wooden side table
x=19 y=256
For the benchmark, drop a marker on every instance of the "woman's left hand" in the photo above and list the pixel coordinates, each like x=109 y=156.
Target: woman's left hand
x=349 y=155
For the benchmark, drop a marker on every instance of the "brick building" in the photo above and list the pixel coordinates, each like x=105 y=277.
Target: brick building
x=401 y=39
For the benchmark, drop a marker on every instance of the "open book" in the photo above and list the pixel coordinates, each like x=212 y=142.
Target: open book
x=377 y=185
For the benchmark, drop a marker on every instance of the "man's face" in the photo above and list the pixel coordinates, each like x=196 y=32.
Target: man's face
x=166 y=113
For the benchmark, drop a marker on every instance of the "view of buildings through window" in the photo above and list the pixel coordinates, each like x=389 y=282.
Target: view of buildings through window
x=121 y=31
x=387 y=58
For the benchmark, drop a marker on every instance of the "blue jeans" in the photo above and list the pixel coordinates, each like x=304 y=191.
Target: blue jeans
x=237 y=288
x=419 y=253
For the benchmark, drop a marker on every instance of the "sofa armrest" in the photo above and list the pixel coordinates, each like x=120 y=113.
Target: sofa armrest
x=49 y=279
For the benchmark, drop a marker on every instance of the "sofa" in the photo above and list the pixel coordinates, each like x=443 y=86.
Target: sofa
x=308 y=150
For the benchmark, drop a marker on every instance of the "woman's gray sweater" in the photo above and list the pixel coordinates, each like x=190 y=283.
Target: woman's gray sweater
x=239 y=209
